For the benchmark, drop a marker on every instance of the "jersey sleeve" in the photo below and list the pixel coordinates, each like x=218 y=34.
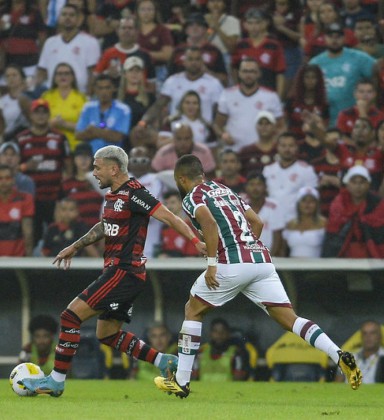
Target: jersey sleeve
x=143 y=202
x=193 y=201
x=83 y=122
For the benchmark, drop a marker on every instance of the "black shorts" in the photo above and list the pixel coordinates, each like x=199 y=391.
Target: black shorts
x=114 y=291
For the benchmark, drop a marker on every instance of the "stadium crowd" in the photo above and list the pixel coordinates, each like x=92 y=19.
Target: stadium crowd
x=283 y=101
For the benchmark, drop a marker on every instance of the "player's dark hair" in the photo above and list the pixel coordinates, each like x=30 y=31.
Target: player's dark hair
x=189 y=166
x=45 y=322
x=286 y=134
x=226 y=152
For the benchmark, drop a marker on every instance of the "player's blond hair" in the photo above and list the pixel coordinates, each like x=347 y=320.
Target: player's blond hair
x=116 y=154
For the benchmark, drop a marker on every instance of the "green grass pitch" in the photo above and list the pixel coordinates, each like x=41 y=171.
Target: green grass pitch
x=130 y=400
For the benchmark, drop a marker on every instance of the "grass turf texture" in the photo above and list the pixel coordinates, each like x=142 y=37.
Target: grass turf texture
x=86 y=400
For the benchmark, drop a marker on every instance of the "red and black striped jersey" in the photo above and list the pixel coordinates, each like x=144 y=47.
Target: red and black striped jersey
x=125 y=218
x=89 y=201
x=50 y=152
x=269 y=54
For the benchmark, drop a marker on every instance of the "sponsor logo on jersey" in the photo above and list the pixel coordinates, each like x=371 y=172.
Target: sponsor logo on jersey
x=111 y=229
x=141 y=203
x=122 y=192
x=114 y=306
x=118 y=206
x=218 y=193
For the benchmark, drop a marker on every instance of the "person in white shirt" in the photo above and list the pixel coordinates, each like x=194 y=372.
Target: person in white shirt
x=269 y=211
x=80 y=50
x=193 y=78
x=235 y=122
x=304 y=235
x=286 y=176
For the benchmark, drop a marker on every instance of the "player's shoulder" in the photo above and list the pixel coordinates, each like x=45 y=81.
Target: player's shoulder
x=302 y=164
x=133 y=184
x=270 y=203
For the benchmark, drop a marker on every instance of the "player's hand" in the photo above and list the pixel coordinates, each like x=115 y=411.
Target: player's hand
x=66 y=256
x=210 y=278
x=202 y=248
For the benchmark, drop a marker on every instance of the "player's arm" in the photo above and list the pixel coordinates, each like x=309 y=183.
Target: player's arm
x=255 y=222
x=27 y=229
x=155 y=110
x=211 y=237
x=164 y=215
x=93 y=235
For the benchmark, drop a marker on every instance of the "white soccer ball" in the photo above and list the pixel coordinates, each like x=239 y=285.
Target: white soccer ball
x=22 y=371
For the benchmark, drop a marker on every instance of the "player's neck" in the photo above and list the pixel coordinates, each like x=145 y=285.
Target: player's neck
x=119 y=181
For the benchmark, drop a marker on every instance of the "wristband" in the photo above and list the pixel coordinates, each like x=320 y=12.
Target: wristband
x=212 y=261
x=195 y=240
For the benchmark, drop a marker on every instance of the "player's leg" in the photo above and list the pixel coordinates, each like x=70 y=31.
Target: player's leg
x=69 y=338
x=268 y=292
x=316 y=337
x=109 y=332
x=188 y=347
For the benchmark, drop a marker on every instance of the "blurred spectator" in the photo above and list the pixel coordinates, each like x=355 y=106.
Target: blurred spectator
x=327 y=15
x=286 y=27
x=189 y=112
x=307 y=93
x=378 y=78
x=161 y=339
x=262 y=47
x=352 y=11
x=360 y=149
x=304 y=235
x=66 y=228
x=10 y=156
x=179 y=10
x=103 y=121
x=230 y=172
x=22 y=35
x=255 y=156
x=342 y=68
x=269 y=210
x=154 y=37
x=87 y=9
x=183 y=144
x=50 y=11
x=310 y=147
x=196 y=78
x=172 y=244
x=44 y=156
x=328 y=169
x=71 y=46
x=14 y=105
x=365 y=96
x=16 y=217
x=108 y=18
x=196 y=29
x=224 y=30
x=113 y=58
x=286 y=176
x=239 y=106
x=41 y=349
x=132 y=89
x=380 y=135
x=140 y=168
x=356 y=219
x=65 y=102
x=370 y=354
x=366 y=34
x=223 y=358
x=78 y=187
x=309 y=21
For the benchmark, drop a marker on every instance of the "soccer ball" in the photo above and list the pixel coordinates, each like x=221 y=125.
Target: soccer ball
x=22 y=371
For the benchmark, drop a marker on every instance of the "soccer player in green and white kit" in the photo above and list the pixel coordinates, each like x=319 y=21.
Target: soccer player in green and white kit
x=237 y=263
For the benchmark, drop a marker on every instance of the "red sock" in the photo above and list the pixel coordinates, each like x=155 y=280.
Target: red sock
x=69 y=339
x=126 y=342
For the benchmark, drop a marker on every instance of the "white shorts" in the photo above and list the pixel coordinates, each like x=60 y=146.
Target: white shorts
x=260 y=283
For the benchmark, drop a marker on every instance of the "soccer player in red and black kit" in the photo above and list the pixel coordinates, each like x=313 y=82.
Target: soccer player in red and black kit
x=128 y=207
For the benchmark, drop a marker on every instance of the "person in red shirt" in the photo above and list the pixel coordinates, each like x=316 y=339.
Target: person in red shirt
x=16 y=214
x=365 y=95
x=267 y=51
